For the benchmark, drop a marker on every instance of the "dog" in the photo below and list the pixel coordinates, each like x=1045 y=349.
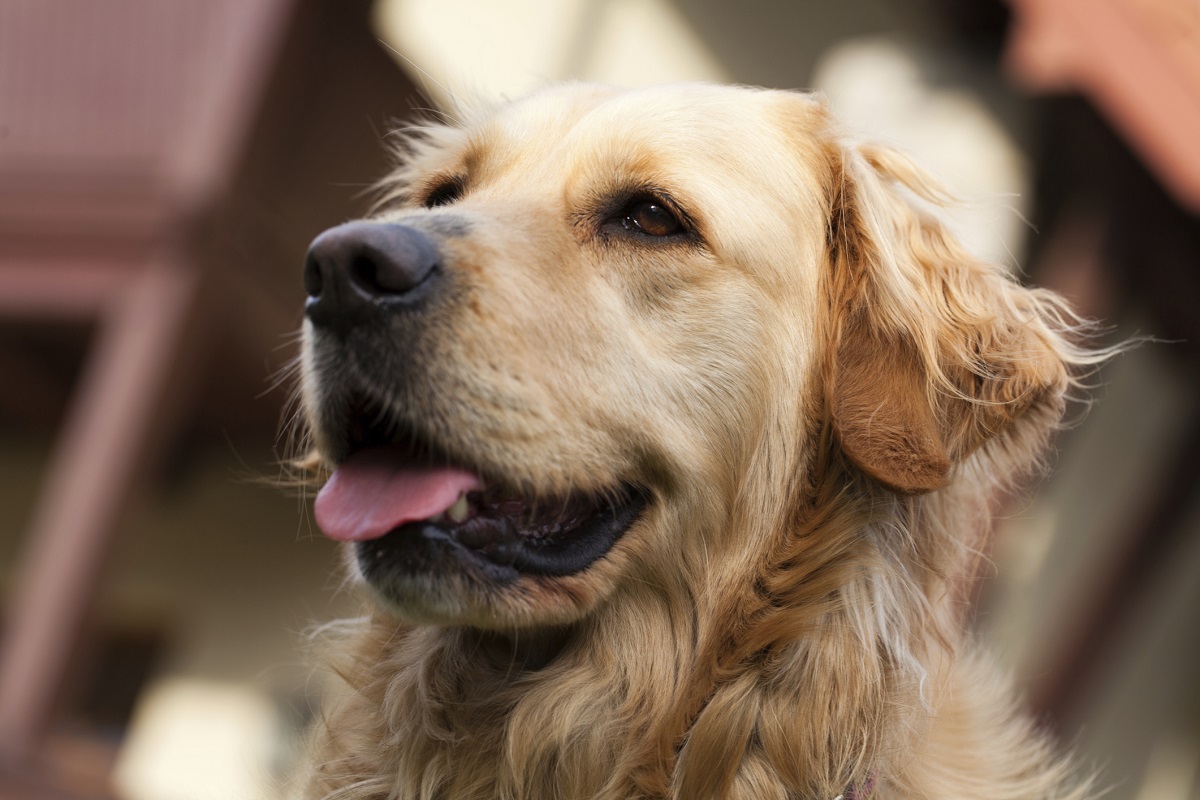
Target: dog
x=663 y=428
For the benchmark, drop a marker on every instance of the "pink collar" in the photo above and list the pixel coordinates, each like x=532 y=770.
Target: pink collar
x=858 y=791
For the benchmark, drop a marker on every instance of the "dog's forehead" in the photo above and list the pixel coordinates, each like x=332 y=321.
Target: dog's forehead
x=699 y=120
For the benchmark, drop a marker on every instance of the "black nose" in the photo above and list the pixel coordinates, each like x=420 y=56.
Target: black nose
x=358 y=270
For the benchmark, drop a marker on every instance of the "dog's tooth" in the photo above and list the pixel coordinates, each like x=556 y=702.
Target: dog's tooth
x=460 y=510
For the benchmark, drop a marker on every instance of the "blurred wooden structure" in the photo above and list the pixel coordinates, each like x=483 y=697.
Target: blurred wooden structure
x=1137 y=62
x=163 y=166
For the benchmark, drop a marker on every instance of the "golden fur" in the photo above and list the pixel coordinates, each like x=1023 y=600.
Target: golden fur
x=824 y=395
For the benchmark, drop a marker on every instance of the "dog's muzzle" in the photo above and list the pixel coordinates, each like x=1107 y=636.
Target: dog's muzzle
x=362 y=270
x=417 y=505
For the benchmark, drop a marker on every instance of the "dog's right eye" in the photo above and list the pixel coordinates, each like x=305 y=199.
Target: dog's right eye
x=444 y=193
x=650 y=216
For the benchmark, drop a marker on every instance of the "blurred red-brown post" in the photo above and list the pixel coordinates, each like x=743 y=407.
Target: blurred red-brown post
x=1137 y=60
x=123 y=125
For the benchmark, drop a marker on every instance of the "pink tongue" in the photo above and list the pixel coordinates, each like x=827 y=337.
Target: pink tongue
x=375 y=491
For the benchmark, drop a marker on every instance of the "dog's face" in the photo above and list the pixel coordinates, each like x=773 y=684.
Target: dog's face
x=577 y=327
x=605 y=279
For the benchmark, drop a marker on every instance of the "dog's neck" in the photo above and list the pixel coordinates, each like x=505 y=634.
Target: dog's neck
x=520 y=651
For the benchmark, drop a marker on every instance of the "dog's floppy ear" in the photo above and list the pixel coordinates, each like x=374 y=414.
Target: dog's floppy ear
x=932 y=354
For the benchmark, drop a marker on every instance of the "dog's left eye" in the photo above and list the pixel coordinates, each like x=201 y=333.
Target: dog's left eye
x=651 y=217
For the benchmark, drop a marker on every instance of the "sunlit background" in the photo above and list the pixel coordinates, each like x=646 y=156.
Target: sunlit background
x=164 y=164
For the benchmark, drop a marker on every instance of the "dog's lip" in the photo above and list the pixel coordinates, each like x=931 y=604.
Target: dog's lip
x=506 y=536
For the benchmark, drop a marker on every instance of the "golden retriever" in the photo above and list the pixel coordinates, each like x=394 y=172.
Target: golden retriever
x=663 y=427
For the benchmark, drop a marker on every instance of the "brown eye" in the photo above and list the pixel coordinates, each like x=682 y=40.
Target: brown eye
x=445 y=193
x=651 y=217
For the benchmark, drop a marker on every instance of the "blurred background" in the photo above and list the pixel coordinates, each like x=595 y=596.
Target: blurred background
x=164 y=164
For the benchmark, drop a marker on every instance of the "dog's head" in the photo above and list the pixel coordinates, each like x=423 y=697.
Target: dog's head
x=596 y=339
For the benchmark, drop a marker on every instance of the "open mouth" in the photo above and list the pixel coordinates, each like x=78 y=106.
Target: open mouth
x=410 y=513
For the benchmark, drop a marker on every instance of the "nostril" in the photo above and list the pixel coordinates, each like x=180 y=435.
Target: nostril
x=366 y=273
x=363 y=272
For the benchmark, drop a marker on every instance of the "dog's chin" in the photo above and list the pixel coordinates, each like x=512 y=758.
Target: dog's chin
x=509 y=563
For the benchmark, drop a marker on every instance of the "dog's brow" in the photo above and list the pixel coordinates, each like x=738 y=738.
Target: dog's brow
x=472 y=157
